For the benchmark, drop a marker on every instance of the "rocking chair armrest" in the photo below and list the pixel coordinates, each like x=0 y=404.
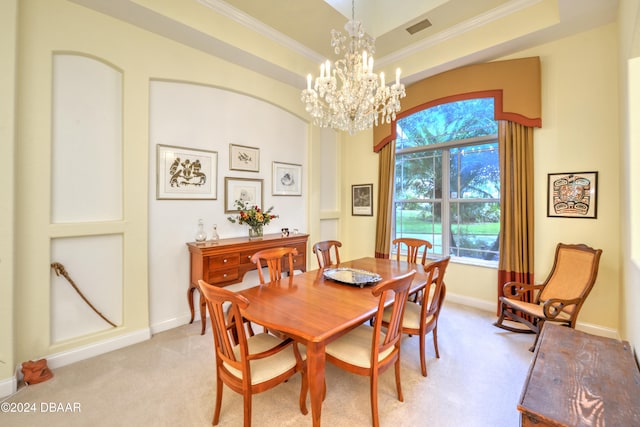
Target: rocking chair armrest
x=516 y=289
x=270 y=352
x=554 y=306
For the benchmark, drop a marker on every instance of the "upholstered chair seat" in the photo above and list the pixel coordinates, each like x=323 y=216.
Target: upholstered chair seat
x=355 y=347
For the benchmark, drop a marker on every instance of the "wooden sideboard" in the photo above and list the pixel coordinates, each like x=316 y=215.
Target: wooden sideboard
x=226 y=261
x=578 y=379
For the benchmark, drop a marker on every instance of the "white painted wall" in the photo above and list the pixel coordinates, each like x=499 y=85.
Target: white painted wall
x=142 y=57
x=208 y=118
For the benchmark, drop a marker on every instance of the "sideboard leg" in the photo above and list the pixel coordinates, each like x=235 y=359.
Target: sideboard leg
x=190 y=301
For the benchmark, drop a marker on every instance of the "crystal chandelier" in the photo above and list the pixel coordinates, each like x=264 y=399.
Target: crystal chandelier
x=350 y=96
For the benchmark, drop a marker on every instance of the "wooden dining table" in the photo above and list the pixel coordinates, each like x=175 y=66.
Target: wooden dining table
x=314 y=311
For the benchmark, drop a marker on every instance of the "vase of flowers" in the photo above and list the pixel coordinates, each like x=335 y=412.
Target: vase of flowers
x=255 y=231
x=253 y=216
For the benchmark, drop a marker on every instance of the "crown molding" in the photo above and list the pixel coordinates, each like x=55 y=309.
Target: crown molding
x=261 y=28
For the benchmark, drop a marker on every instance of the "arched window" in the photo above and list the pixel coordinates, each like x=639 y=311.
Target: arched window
x=447 y=179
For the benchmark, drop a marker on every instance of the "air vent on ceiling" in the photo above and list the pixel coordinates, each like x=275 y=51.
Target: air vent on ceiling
x=419 y=26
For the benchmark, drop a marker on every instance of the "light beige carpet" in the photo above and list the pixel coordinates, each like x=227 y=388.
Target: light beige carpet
x=169 y=381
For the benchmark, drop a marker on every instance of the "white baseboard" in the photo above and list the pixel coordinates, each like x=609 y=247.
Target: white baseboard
x=492 y=307
x=471 y=302
x=81 y=353
x=8 y=386
x=598 y=330
x=165 y=325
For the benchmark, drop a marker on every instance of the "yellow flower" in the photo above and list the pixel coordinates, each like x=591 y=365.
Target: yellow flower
x=251 y=215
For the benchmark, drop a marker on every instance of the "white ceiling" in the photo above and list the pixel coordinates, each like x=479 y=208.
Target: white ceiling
x=304 y=27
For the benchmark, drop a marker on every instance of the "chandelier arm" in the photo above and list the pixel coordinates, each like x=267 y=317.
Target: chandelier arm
x=353 y=97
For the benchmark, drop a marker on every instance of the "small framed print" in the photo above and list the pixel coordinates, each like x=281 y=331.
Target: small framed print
x=572 y=195
x=186 y=173
x=287 y=179
x=243 y=158
x=362 y=200
x=248 y=191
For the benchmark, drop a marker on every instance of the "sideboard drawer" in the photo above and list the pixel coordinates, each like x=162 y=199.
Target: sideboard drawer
x=222 y=275
x=299 y=262
x=245 y=256
x=224 y=261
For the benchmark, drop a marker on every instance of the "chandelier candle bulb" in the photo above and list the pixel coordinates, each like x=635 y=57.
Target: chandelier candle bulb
x=353 y=98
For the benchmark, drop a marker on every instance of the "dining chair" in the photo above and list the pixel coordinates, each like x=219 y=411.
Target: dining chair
x=367 y=350
x=421 y=317
x=256 y=363
x=413 y=248
x=273 y=259
x=323 y=252
x=559 y=299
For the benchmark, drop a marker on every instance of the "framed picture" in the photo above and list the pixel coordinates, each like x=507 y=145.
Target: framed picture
x=287 y=179
x=362 y=200
x=572 y=195
x=186 y=173
x=243 y=158
x=246 y=190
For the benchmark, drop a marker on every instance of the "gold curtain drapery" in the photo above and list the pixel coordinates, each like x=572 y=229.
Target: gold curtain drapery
x=386 y=171
x=514 y=84
x=516 y=198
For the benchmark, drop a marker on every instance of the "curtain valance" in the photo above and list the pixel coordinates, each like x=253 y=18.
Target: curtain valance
x=514 y=85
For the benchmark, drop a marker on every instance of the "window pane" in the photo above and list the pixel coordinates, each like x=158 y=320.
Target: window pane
x=421 y=221
x=418 y=175
x=447 y=122
x=475 y=172
x=475 y=227
x=447 y=163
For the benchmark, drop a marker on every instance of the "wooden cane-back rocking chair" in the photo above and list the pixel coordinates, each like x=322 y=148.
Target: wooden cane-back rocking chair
x=559 y=299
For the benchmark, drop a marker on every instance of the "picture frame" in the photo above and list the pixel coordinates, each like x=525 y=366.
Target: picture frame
x=246 y=189
x=572 y=195
x=244 y=158
x=362 y=200
x=287 y=179
x=186 y=173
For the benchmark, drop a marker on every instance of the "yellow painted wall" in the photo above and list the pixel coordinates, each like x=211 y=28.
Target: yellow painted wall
x=359 y=166
x=141 y=56
x=629 y=22
x=579 y=133
x=8 y=22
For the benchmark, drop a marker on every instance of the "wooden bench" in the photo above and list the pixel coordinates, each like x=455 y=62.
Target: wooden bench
x=578 y=379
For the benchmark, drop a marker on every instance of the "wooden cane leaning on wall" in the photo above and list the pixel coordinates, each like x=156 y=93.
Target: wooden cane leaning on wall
x=60 y=270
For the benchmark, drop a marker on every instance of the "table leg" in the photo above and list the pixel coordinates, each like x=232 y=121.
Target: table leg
x=203 y=314
x=315 y=372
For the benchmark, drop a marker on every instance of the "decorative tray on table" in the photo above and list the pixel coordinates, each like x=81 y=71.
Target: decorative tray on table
x=352 y=276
